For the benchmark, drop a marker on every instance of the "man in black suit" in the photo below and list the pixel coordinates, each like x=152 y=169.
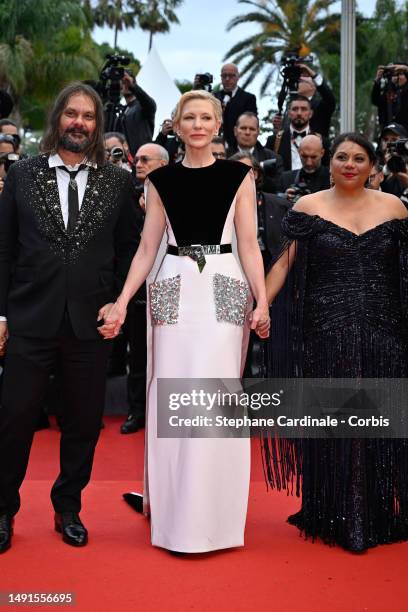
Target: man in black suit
x=234 y=100
x=312 y=176
x=286 y=142
x=246 y=132
x=67 y=236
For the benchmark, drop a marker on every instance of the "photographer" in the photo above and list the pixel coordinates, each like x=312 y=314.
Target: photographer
x=246 y=132
x=7 y=156
x=116 y=149
x=137 y=121
x=312 y=86
x=312 y=176
x=167 y=139
x=7 y=126
x=393 y=159
x=390 y=94
x=286 y=142
x=234 y=100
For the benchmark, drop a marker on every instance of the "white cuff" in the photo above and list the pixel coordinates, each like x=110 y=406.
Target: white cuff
x=3 y=318
x=318 y=79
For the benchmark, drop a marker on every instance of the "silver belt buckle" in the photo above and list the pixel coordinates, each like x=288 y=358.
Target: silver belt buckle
x=196 y=252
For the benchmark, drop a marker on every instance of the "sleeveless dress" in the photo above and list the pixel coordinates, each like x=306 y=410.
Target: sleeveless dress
x=350 y=314
x=196 y=489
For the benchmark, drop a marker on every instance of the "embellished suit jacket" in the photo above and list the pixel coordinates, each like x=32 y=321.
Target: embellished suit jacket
x=44 y=269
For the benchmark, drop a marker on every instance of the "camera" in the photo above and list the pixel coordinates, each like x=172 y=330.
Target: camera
x=203 y=81
x=116 y=154
x=268 y=166
x=291 y=73
x=112 y=70
x=399 y=155
x=7 y=159
x=109 y=88
x=300 y=189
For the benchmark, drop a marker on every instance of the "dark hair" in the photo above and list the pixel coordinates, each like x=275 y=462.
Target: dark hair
x=358 y=139
x=96 y=150
x=248 y=114
x=218 y=140
x=256 y=166
x=7 y=122
x=299 y=98
x=118 y=135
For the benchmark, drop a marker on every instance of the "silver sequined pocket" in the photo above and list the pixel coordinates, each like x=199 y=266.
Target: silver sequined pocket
x=231 y=299
x=165 y=301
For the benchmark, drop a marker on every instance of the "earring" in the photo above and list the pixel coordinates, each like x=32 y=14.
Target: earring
x=332 y=183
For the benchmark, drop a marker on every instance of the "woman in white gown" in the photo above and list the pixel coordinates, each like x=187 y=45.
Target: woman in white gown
x=196 y=489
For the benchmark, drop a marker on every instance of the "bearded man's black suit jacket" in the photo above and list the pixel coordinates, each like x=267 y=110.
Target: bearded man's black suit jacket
x=43 y=269
x=52 y=284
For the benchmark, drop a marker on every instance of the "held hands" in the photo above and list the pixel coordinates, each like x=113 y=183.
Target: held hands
x=260 y=321
x=3 y=337
x=113 y=316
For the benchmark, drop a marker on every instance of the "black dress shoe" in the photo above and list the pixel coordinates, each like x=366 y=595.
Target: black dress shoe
x=73 y=531
x=6 y=532
x=135 y=501
x=132 y=424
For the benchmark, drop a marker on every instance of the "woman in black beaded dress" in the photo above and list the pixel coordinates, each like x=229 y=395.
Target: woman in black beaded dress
x=349 y=246
x=196 y=488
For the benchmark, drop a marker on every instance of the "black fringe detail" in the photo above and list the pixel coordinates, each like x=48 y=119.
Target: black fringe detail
x=354 y=491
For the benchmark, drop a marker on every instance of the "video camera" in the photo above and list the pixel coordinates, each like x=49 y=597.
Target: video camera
x=291 y=73
x=109 y=88
x=300 y=189
x=399 y=155
x=110 y=78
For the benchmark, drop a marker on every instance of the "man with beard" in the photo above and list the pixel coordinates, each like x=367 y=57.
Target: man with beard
x=286 y=142
x=67 y=236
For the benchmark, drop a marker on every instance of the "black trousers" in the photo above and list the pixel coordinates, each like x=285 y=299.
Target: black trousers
x=28 y=364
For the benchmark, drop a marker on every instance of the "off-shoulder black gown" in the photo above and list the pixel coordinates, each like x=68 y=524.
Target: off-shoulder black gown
x=351 y=307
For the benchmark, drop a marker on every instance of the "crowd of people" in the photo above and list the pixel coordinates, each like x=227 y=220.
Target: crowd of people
x=96 y=213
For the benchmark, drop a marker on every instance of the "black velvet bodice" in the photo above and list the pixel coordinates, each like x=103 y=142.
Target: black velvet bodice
x=197 y=200
x=351 y=277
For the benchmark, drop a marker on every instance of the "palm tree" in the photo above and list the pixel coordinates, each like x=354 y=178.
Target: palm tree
x=303 y=26
x=117 y=14
x=43 y=45
x=155 y=16
x=23 y=25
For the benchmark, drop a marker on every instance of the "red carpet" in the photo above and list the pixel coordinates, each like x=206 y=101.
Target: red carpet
x=120 y=571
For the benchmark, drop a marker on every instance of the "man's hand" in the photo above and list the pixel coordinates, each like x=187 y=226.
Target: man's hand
x=1 y=185
x=277 y=122
x=307 y=71
x=128 y=83
x=102 y=315
x=380 y=72
x=114 y=316
x=290 y=193
x=3 y=337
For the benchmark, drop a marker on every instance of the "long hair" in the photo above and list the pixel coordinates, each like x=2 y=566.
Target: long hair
x=95 y=152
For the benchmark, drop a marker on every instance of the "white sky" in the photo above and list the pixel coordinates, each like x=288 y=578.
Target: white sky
x=199 y=43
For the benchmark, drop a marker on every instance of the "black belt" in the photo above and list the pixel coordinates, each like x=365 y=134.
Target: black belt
x=197 y=252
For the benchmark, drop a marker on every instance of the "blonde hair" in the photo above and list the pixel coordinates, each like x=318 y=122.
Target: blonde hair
x=197 y=94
